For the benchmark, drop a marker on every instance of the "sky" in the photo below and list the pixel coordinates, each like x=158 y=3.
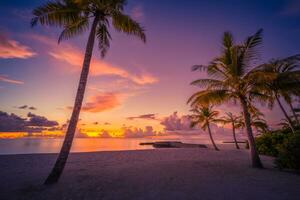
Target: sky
x=137 y=89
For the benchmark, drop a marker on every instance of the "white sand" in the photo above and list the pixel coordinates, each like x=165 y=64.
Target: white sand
x=147 y=174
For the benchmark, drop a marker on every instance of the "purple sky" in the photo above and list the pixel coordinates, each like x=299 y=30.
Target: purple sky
x=135 y=78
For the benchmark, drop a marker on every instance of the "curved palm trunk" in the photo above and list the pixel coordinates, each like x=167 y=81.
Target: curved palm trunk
x=234 y=136
x=64 y=152
x=294 y=113
x=285 y=113
x=256 y=162
x=211 y=138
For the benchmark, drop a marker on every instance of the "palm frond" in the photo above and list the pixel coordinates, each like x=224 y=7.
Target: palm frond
x=208 y=83
x=76 y=28
x=57 y=13
x=124 y=23
x=206 y=97
x=104 y=38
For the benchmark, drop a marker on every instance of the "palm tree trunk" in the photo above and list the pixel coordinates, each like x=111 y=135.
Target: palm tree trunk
x=65 y=150
x=294 y=113
x=211 y=138
x=234 y=136
x=256 y=162
x=285 y=113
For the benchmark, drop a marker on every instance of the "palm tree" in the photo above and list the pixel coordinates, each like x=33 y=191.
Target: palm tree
x=285 y=84
x=235 y=121
x=204 y=115
x=258 y=122
x=232 y=80
x=77 y=17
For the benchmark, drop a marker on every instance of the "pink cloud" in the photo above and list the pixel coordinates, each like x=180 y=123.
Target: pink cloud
x=74 y=57
x=6 y=79
x=12 y=49
x=102 y=102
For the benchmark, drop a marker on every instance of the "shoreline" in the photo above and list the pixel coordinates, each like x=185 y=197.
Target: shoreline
x=147 y=174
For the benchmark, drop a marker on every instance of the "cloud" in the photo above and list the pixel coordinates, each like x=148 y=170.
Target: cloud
x=23 y=107
x=102 y=134
x=145 y=116
x=291 y=7
x=102 y=102
x=12 y=49
x=74 y=57
x=126 y=132
x=107 y=123
x=6 y=79
x=26 y=107
x=138 y=132
x=176 y=123
x=34 y=123
x=36 y=120
x=32 y=108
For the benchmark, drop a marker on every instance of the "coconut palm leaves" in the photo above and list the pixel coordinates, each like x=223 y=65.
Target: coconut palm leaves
x=231 y=79
x=203 y=116
x=74 y=17
x=284 y=83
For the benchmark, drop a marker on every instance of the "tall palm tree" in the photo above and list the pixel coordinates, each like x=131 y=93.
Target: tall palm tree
x=232 y=80
x=77 y=17
x=236 y=122
x=285 y=83
x=204 y=115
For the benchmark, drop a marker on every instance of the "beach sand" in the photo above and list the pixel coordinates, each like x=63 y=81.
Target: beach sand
x=147 y=174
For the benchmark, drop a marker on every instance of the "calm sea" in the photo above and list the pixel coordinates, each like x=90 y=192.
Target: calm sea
x=53 y=145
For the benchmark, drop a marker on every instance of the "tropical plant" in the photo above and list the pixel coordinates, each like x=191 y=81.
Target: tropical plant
x=289 y=152
x=268 y=143
x=236 y=122
x=204 y=115
x=257 y=121
x=76 y=17
x=285 y=83
x=233 y=80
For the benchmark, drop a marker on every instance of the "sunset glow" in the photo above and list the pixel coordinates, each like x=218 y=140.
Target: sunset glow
x=136 y=85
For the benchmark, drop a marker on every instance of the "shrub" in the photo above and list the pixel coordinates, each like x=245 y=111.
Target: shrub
x=268 y=143
x=289 y=152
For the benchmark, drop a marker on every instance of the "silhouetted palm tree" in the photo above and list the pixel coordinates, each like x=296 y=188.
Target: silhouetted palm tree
x=257 y=121
x=235 y=121
x=285 y=83
x=232 y=79
x=204 y=115
x=76 y=17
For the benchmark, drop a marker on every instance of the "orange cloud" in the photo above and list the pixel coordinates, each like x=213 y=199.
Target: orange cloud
x=102 y=102
x=13 y=49
x=4 y=78
x=74 y=57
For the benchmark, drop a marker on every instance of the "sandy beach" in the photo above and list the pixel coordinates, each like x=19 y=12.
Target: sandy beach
x=147 y=174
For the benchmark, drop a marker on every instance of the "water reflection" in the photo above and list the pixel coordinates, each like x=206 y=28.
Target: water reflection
x=53 y=145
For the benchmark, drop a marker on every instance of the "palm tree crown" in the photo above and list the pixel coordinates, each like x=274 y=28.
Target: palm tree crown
x=203 y=115
x=74 y=17
x=231 y=118
x=285 y=83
